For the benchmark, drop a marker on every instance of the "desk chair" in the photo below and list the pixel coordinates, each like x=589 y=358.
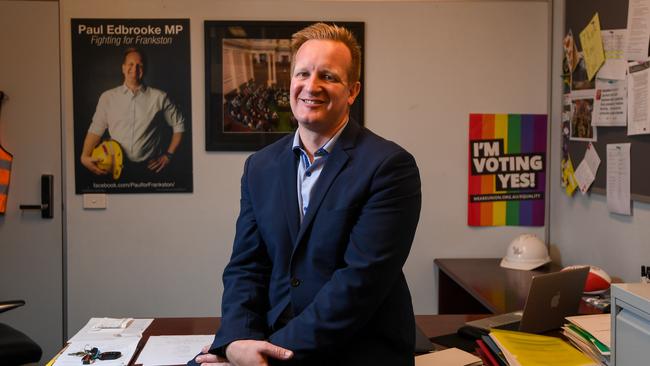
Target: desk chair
x=15 y=347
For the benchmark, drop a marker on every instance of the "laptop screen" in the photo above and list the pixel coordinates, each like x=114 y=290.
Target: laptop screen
x=551 y=298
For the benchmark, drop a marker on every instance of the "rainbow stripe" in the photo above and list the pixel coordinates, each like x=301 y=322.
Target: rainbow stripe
x=520 y=134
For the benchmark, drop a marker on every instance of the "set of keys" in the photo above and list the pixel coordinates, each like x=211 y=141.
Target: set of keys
x=89 y=355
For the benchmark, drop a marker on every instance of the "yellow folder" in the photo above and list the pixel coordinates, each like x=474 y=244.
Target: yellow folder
x=526 y=349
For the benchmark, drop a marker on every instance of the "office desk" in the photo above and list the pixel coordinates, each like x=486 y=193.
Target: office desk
x=481 y=286
x=431 y=325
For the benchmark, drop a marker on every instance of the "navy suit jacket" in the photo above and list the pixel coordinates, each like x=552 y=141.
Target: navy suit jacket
x=340 y=270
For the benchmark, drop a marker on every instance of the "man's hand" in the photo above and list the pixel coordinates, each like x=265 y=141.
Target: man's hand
x=255 y=353
x=207 y=359
x=159 y=163
x=91 y=164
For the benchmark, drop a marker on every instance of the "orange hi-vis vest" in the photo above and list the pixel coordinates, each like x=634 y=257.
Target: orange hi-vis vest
x=5 y=172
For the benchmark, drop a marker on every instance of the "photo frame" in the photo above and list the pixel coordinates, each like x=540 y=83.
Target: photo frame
x=247 y=78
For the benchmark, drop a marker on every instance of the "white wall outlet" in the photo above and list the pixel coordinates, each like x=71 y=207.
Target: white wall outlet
x=94 y=200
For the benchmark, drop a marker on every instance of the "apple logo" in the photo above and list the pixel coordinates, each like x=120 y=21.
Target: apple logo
x=555 y=300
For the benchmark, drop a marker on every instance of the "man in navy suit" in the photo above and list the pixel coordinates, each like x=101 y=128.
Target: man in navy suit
x=327 y=219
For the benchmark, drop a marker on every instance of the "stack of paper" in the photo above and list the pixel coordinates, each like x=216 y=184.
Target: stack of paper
x=525 y=349
x=107 y=335
x=448 y=357
x=126 y=346
x=172 y=350
x=591 y=334
x=93 y=330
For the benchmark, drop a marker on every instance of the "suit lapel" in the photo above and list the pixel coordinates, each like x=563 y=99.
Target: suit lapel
x=335 y=162
x=288 y=176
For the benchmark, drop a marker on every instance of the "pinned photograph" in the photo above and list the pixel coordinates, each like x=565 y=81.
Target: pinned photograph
x=570 y=51
x=579 y=77
x=582 y=114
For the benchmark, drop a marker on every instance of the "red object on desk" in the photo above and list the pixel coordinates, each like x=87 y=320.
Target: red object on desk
x=489 y=357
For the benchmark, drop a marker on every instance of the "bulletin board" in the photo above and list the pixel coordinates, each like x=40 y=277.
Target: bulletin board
x=613 y=15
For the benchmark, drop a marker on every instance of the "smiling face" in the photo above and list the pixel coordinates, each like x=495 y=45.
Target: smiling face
x=321 y=94
x=133 y=69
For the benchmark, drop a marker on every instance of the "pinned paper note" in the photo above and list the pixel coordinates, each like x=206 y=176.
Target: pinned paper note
x=610 y=104
x=638 y=96
x=586 y=172
x=639 y=29
x=592 y=46
x=618 y=179
x=615 y=66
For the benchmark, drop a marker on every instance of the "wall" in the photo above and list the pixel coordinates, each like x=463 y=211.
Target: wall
x=31 y=247
x=428 y=65
x=581 y=227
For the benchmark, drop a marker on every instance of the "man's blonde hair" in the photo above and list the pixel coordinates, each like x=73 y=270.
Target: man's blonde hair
x=329 y=32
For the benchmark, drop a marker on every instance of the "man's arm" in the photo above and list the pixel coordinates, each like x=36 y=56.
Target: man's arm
x=159 y=163
x=243 y=353
x=176 y=121
x=241 y=337
x=98 y=125
x=243 y=330
x=173 y=144
x=246 y=281
x=90 y=142
x=378 y=246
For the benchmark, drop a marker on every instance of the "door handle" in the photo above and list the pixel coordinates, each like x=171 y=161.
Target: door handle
x=47 y=195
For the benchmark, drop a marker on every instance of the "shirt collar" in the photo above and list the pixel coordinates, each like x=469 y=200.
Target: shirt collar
x=142 y=88
x=323 y=150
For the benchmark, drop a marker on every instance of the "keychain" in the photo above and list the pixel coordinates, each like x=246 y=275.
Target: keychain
x=89 y=355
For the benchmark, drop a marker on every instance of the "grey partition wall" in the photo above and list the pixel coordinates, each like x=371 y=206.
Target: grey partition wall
x=613 y=15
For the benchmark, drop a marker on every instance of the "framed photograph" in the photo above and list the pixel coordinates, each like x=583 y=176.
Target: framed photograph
x=247 y=78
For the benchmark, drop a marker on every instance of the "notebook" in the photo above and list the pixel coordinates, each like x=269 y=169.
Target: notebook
x=551 y=298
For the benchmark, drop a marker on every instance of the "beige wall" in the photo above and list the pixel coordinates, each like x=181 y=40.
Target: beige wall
x=428 y=65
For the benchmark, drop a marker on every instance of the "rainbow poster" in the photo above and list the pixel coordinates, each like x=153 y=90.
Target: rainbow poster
x=507 y=169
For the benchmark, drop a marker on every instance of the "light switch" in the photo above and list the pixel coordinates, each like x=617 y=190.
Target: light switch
x=94 y=200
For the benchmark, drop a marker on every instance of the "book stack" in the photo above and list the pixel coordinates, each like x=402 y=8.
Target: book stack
x=590 y=334
x=510 y=348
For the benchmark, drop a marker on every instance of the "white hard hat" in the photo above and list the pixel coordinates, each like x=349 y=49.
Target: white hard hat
x=525 y=252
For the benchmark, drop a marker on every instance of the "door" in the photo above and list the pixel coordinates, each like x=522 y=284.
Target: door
x=31 y=247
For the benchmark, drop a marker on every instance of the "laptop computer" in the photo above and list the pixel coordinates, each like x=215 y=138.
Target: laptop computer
x=551 y=298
